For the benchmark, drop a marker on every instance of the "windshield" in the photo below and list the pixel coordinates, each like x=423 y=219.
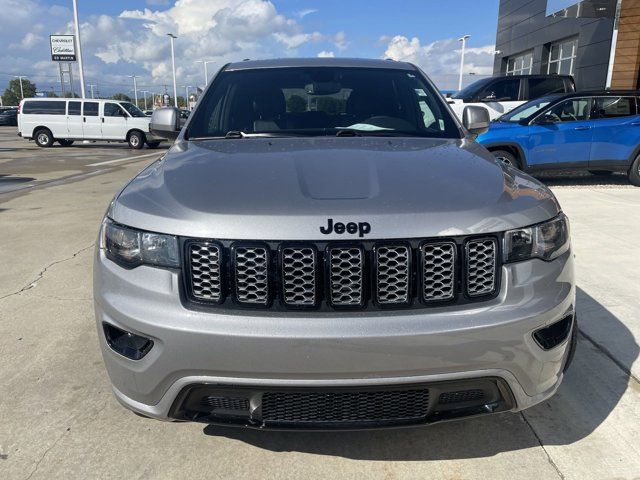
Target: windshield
x=132 y=109
x=471 y=90
x=528 y=109
x=312 y=101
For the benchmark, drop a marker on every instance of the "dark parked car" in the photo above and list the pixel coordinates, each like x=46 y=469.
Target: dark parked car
x=9 y=117
x=594 y=131
x=500 y=95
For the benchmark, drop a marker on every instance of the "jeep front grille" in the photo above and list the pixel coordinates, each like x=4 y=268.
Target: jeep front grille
x=346 y=266
x=481 y=267
x=410 y=273
x=299 y=270
x=393 y=274
x=438 y=271
x=204 y=262
x=252 y=275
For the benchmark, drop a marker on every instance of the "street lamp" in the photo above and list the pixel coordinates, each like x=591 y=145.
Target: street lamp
x=173 y=67
x=77 y=27
x=21 y=89
x=462 y=39
x=91 y=85
x=206 y=75
x=144 y=92
x=135 y=88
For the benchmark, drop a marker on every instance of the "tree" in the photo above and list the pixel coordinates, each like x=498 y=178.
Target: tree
x=12 y=96
x=122 y=97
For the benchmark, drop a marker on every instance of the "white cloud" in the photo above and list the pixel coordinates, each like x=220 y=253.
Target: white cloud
x=340 y=41
x=305 y=12
x=326 y=54
x=441 y=59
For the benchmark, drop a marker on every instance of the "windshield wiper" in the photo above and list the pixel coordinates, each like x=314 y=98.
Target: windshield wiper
x=235 y=134
x=348 y=132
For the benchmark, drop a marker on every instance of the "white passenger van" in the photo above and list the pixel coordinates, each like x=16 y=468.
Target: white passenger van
x=49 y=120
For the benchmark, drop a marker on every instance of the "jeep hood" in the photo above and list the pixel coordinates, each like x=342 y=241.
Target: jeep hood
x=287 y=188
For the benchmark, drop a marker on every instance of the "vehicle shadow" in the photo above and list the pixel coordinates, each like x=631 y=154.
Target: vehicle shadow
x=571 y=415
x=557 y=179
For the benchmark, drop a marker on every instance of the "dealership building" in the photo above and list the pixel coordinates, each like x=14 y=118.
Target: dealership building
x=596 y=41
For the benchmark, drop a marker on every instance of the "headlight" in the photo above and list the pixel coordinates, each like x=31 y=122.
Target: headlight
x=129 y=247
x=545 y=240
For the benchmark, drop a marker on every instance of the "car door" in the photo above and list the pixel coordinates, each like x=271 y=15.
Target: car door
x=74 y=119
x=561 y=135
x=616 y=131
x=501 y=96
x=91 y=122
x=114 y=122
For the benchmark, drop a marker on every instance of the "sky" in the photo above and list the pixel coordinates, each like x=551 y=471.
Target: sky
x=124 y=38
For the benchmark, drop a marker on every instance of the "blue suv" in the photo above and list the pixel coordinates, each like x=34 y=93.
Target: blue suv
x=594 y=131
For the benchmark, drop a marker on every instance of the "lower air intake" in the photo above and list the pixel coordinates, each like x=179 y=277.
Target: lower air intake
x=345 y=408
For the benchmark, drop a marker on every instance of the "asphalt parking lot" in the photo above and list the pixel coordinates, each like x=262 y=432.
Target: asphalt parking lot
x=58 y=418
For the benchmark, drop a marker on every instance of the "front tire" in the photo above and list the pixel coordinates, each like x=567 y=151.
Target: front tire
x=634 y=172
x=65 y=143
x=136 y=140
x=43 y=138
x=506 y=157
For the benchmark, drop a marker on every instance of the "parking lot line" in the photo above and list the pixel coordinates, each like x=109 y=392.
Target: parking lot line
x=117 y=160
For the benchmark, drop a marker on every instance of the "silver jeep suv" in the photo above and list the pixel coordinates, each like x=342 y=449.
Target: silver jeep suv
x=326 y=246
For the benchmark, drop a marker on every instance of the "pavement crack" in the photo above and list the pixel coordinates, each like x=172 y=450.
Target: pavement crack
x=549 y=459
x=609 y=355
x=37 y=465
x=40 y=275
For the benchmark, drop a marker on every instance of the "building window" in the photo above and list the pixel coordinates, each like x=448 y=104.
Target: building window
x=520 y=64
x=562 y=56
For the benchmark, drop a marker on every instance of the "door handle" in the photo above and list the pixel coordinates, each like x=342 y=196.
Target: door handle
x=102 y=118
x=582 y=128
x=84 y=119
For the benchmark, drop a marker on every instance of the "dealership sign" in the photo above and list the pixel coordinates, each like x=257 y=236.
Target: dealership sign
x=63 y=48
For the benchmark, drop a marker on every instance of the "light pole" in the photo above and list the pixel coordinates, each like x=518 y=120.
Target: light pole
x=144 y=92
x=21 y=89
x=135 y=88
x=173 y=68
x=91 y=85
x=186 y=99
x=462 y=39
x=206 y=75
x=77 y=25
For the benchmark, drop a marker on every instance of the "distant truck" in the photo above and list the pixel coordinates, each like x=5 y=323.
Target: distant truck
x=50 y=120
x=500 y=95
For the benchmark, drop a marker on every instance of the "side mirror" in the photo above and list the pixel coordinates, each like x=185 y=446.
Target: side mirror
x=476 y=119
x=165 y=123
x=545 y=119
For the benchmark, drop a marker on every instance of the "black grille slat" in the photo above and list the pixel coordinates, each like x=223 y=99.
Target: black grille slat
x=389 y=274
x=299 y=268
x=345 y=407
x=346 y=272
x=481 y=266
x=461 y=396
x=252 y=275
x=206 y=283
x=438 y=271
x=392 y=274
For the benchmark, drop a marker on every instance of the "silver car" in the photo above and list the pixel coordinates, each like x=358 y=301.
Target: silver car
x=326 y=246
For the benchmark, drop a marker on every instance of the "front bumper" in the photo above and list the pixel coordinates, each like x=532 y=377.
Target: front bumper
x=262 y=351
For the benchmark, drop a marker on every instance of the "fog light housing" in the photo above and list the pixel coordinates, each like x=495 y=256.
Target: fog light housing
x=553 y=335
x=126 y=343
